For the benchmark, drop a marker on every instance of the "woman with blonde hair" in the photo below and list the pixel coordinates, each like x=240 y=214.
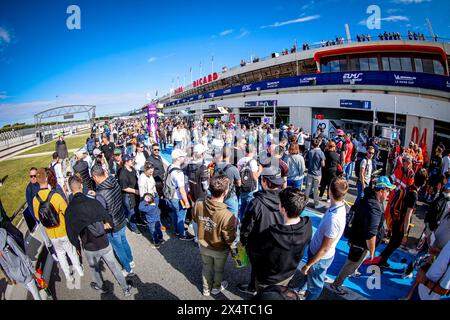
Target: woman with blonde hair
x=331 y=167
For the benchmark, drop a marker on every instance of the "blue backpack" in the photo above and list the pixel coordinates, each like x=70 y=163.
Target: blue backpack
x=90 y=146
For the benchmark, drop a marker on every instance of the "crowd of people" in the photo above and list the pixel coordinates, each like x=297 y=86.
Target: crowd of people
x=242 y=188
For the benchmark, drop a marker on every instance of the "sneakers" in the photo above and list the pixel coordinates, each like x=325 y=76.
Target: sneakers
x=206 y=292
x=136 y=232
x=128 y=274
x=245 y=289
x=187 y=237
x=127 y=292
x=97 y=288
x=132 y=265
x=223 y=286
x=319 y=206
x=338 y=290
x=155 y=245
x=80 y=270
x=70 y=281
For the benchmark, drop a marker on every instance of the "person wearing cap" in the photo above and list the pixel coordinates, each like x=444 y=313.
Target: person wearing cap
x=322 y=248
x=129 y=183
x=400 y=221
x=365 y=173
x=176 y=194
x=116 y=163
x=341 y=146
x=366 y=231
x=262 y=212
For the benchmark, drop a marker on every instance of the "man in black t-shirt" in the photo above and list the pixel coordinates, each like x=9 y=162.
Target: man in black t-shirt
x=400 y=224
x=107 y=148
x=86 y=220
x=129 y=183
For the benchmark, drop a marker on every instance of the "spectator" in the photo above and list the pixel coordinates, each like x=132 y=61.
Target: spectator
x=30 y=193
x=316 y=160
x=116 y=163
x=401 y=221
x=61 y=147
x=329 y=172
x=146 y=182
x=296 y=165
x=130 y=192
x=282 y=245
x=249 y=171
x=57 y=234
x=363 y=169
x=149 y=207
x=262 y=212
x=107 y=148
x=176 y=194
x=347 y=168
x=322 y=248
x=88 y=221
x=366 y=231
x=223 y=166
x=16 y=265
x=159 y=171
x=140 y=158
x=216 y=232
x=82 y=167
x=109 y=194
x=56 y=167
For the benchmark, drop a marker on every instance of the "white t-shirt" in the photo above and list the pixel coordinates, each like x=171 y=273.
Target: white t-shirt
x=438 y=270
x=177 y=180
x=139 y=161
x=301 y=138
x=332 y=226
x=253 y=166
x=445 y=164
x=146 y=185
x=177 y=134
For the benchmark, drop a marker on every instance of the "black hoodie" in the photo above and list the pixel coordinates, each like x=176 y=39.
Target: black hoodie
x=112 y=195
x=282 y=247
x=262 y=212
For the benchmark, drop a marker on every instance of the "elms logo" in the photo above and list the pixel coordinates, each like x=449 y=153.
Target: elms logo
x=352 y=77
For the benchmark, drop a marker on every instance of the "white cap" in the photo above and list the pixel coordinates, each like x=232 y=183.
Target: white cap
x=178 y=153
x=199 y=148
x=97 y=152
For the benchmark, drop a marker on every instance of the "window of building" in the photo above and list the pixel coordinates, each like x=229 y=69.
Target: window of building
x=395 y=64
x=427 y=65
x=438 y=68
x=385 y=63
x=418 y=64
x=373 y=64
x=406 y=64
x=364 y=64
x=354 y=64
x=343 y=65
x=334 y=66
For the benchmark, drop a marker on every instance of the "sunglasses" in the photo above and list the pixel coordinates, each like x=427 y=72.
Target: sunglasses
x=32 y=176
x=155 y=149
x=371 y=153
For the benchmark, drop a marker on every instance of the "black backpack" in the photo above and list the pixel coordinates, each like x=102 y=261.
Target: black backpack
x=350 y=218
x=193 y=172
x=48 y=215
x=248 y=184
x=358 y=166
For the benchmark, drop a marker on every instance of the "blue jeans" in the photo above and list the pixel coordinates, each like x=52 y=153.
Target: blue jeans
x=178 y=216
x=359 y=191
x=295 y=183
x=130 y=213
x=154 y=227
x=246 y=197
x=121 y=248
x=348 y=170
x=232 y=204
x=315 y=279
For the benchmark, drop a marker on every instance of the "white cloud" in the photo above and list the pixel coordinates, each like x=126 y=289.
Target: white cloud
x=410 y=1
x=3 y=95
x=299 y=20
x=226 y=32
x=391 y=11
x=152 y=59
x=244 y=32
x=308 y=5
x=5 y=36
x=389 y=19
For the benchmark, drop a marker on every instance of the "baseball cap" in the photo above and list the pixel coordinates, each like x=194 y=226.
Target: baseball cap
x=83 y=150
x=384 y=183
x=178 y=153
x=79 y=154
x=128 y=157
x=340 y=132
x=273 y=174
x=117 y=152
x=199 y=148
x=96 y=152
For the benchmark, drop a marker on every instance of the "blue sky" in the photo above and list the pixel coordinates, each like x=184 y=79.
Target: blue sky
x=126 y=50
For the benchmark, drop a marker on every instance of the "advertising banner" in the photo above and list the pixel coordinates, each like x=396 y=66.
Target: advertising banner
x=152 y=118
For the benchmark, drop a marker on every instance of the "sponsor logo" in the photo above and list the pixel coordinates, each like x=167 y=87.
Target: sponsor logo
x=352 y=77
x=404 y=79
x=227 y=91
x=211 y=95
x=448 y=84
x=273 y=84
x=247 y=87
x=307 y=79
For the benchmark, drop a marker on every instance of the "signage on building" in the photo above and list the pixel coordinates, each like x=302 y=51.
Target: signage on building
x=356 y=104
x=179 y=90
x=206 y=79
x=262 y=103
x=68 y=116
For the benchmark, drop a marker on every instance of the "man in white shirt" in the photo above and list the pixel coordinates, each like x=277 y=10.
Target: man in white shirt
x=247 y=191
x=57 y=168
x=322 y=247
x=177 y=136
